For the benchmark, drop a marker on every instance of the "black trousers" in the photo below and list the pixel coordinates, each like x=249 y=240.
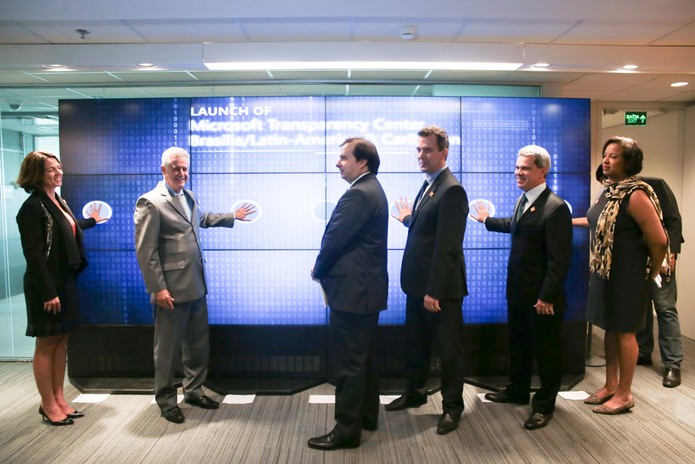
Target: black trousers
x=533 y=335
x=446 y=329
x=352 y=340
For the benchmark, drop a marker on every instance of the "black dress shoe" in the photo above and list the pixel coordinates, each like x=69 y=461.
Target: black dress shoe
x=537 y=421
x=75 y=414
x=203 y=402
x=448 y=423
x=644 y=361
x=173 y=415
x=65 y=421
x=331 y=441
x=672 y=377
x=502 y=397
x=406 y=401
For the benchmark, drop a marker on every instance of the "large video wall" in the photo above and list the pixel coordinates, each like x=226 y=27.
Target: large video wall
x=279 y=153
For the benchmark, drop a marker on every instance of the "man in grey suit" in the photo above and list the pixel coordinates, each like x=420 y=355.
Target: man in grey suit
x=167 y=243
x=433 y=277
x=351 y=267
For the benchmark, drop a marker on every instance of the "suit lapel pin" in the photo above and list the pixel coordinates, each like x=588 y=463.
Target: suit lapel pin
x=533 y=209
x=431 y=194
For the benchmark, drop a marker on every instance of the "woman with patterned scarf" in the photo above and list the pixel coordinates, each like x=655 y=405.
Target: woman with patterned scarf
x=628 y=245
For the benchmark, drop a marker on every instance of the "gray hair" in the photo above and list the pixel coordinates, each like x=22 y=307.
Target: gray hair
x=171 y=153
x=541 y=157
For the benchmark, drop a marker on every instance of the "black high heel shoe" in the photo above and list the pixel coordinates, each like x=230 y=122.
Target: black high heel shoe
x=66 y=421
x=75 y=414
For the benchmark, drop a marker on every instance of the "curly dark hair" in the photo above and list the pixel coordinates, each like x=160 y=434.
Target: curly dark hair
x=631 y=152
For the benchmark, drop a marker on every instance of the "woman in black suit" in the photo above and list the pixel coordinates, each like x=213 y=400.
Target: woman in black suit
x=52 y=244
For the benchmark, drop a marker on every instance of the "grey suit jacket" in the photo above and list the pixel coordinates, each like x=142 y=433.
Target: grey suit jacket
x=168 y=245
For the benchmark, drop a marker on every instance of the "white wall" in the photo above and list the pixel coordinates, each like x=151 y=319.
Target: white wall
x=669 y=153
x=686 y=261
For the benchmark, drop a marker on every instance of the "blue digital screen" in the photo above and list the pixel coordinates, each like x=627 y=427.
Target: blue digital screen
x=279 y=153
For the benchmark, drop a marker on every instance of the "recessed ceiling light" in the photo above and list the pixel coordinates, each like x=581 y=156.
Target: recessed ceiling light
x=679 y=84
x=541 y=65
x=146 y=65
x=408 y=33
x=630 y=67
x=53 y=66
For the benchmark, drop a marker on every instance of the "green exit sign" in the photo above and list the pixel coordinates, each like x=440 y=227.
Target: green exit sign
x=635 y=118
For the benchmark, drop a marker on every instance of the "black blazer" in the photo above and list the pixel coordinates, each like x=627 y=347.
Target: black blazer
x=433 y=262
x=541 y=251
x=351 y=264
x=67 y=254
x=669 y=206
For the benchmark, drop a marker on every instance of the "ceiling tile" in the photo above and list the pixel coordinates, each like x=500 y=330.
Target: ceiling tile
x=11 y=33
x=297 y=30
x=389 y=30
x=221 y=76
x=153 y=76
x=189 y=31
x=248 y=91
x=682 y=36
x=100 y=32
x=618 y=32
x=608 y=81
x=368 y=89
x=681 y=97
x=513 y=30
x=76 y=78
x=179 y=91
x=390 y=75
x=310 y=90
x=309 y=75
x=18 y=78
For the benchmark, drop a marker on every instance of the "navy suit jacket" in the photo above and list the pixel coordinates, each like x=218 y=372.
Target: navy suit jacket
x=541 y=251
x=351 y=264
x=433 y=262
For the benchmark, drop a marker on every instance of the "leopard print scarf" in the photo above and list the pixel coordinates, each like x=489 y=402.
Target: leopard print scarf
x=602 y=245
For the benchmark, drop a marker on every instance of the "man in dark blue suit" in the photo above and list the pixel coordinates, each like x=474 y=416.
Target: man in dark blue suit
x=433 y=277
x=539 y=259
x=351 y=267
